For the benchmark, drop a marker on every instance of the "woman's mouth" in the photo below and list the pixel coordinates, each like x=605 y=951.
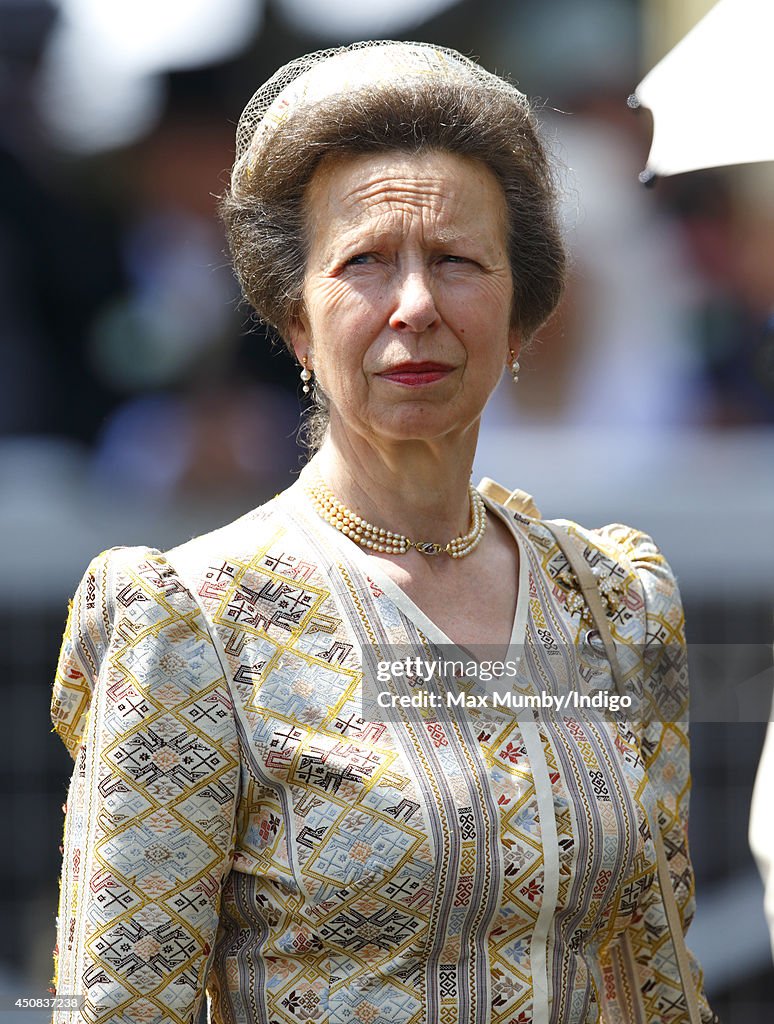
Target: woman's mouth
x=417 y=374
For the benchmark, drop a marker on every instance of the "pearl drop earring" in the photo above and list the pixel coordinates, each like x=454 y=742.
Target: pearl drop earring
x=305 y=375
x=514 y=366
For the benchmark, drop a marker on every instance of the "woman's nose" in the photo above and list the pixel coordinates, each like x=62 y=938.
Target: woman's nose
x=415 y=308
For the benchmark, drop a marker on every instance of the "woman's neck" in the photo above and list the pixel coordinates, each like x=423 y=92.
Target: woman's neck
x=419 y=489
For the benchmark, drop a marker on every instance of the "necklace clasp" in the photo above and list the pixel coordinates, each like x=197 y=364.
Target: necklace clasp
x=428 y=547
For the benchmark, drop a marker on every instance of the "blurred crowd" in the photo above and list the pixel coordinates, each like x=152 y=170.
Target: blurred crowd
x=122 y=329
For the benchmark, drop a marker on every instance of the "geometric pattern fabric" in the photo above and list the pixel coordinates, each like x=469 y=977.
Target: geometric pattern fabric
x=236 y=831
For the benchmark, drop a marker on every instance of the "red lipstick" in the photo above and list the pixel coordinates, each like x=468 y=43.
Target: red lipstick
x=417 y=374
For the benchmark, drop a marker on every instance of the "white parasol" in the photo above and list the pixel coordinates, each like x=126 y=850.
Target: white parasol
x=712 y=96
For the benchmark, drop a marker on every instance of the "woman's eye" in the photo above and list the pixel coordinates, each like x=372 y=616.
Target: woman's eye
x=360 y=259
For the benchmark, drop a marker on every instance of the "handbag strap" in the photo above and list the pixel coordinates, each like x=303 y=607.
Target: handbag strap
x=588 y=584
x=572 y=551
x=517 y=500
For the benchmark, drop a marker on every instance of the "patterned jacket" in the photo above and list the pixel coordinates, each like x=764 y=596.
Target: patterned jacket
x=237 y=825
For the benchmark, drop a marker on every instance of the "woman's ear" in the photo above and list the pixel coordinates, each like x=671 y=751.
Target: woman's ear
x=300 y=339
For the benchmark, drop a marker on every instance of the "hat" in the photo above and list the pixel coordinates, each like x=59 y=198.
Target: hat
x=317 y=76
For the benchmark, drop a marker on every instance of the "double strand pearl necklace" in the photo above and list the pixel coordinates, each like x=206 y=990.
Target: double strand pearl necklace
x=376 y=538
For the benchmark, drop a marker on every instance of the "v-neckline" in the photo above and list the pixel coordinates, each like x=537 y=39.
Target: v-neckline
x=373 y=570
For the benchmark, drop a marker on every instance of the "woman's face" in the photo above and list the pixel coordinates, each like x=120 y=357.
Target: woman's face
x=407 y=294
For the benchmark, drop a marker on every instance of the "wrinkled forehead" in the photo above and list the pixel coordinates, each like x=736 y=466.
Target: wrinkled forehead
x=440 y=196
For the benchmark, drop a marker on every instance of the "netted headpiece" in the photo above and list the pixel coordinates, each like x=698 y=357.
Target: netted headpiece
x=315 y=76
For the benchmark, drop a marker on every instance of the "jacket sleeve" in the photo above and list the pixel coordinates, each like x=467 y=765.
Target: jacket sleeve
x=141 y=703
x=664 y=748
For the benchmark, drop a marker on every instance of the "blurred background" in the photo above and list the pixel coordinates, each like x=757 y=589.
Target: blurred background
x=140 y=403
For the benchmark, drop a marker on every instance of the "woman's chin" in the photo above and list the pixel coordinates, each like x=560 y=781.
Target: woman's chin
x=420 y=423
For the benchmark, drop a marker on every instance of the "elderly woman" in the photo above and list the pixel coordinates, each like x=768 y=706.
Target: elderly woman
x=238 y=824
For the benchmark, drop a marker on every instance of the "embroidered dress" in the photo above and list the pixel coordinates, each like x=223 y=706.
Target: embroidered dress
x=235 y=826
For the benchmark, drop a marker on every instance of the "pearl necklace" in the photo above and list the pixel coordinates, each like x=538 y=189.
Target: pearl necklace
x=378 y=539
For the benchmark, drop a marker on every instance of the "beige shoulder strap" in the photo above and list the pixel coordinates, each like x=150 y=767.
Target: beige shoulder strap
x=518 y=500
x=573 y=552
